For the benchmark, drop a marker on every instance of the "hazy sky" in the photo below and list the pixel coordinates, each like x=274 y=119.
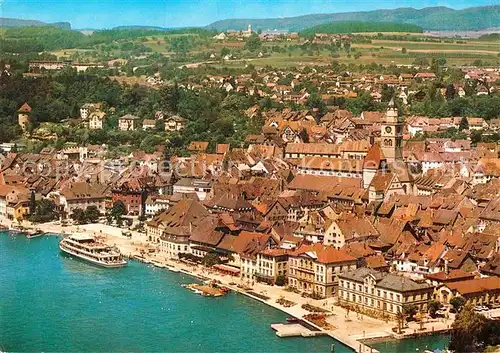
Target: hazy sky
x=182 y=13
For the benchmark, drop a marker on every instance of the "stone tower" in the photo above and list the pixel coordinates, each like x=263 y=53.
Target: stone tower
x=23 y=115
x=392 y=135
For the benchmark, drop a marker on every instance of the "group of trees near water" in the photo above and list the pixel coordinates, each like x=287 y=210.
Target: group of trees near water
x=473 y=332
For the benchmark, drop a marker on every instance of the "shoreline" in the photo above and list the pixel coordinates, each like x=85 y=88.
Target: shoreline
x=368 y=330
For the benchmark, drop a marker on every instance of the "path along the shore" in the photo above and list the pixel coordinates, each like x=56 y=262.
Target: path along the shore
x=349 y=329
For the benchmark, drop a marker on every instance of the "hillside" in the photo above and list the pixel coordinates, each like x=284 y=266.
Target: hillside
x=429 y=18
x=490 y=37
x=358 y=26
x=15 y=23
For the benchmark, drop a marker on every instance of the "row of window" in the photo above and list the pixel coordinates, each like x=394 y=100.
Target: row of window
x=369 y=302
x=381 y=293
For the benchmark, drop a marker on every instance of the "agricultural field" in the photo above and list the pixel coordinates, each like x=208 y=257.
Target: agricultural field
x=194 y=49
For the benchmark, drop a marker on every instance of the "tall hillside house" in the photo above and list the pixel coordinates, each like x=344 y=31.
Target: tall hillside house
x=128 y=122
x=88 y=108
x=23 y=116
x=96 y=120
x=175 y=123
x=313 y=269
x=385 y=293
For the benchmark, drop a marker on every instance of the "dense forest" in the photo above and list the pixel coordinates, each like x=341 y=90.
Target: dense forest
x=213 y=115
x=359 y=27
x=47 y=38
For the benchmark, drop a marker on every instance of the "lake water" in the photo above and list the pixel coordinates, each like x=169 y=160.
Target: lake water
x=51 y=302
x=413 y=345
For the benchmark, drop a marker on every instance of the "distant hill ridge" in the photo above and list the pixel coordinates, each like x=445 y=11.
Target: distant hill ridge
x=429 y=18
x=15 y=22
x=358 y=26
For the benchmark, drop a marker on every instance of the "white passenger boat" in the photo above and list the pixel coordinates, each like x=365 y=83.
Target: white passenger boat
x=85 y=247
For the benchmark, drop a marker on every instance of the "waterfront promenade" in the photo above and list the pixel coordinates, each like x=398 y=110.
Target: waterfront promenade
x=350 y=329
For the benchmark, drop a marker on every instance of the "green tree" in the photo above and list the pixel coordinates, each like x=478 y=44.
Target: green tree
x=457 y=303
x=92 y=214
x=280 y=281
x=180 y=45
x=476 y=136
x=315 y=101
x=78 y=215
x=210 y=259
x=421 y=61
x=467 y=330
x=450 y=92
x=434 y=306
x=464 y=124
x=45 y=211
x=253 y=43
x=410 y=310
x=304 y=136
x=32 y=202
x=119 y=209
x=224 y=51
x=401 y=318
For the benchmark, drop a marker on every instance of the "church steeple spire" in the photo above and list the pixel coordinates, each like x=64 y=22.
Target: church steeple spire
x=392 y=134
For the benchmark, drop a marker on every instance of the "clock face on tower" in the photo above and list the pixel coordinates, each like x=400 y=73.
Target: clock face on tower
x=388 y=129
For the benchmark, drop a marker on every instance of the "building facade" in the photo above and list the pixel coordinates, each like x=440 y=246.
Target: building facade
x=382 y=293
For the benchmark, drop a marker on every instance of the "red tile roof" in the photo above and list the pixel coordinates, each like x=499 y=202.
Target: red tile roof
x=25 y=108
x=324 y=253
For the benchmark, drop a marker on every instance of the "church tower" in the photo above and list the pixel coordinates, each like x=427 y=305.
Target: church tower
x=392 y=135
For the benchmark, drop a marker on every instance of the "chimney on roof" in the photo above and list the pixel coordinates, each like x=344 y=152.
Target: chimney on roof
x=446 y=269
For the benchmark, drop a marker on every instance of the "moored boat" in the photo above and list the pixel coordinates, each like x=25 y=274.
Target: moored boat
x=34 y=233
x=85 y=247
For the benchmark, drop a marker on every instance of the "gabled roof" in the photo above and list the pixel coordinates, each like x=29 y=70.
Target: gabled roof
x=373 y=158
x=25 y=108
x=385 y=280
x=474 y=286
x=323 y=253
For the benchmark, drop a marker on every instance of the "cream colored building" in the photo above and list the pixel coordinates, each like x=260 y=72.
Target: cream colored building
x=272 y=263
x=96 y=120
x=128 y=122
x=313 y=269
x=365 y=289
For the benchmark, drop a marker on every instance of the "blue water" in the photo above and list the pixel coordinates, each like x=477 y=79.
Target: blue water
x=51 y=302
x=414 y=345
